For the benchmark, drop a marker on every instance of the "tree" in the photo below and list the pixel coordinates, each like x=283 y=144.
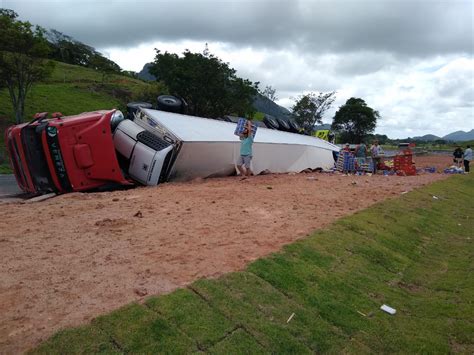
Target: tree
x=103 y=65
x=354 y=120
x=381 y=138
x=210 y=87
x=23 y=49
x=269 y=93
x=67 y=50
x=310 y=108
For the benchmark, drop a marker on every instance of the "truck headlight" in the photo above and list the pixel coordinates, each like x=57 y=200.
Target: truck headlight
x=117 y=117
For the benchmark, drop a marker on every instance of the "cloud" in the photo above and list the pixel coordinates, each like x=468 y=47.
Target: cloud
x=412 y=60
x=406 y=27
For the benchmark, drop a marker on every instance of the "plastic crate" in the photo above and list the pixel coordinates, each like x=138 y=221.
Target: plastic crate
x=241 y=124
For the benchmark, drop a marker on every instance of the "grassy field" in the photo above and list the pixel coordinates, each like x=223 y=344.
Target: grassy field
x=430 y=147
x=322 y=294
x=72 y=89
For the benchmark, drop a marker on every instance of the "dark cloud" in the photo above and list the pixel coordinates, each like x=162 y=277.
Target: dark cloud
x=403 y=27
x=412 y=60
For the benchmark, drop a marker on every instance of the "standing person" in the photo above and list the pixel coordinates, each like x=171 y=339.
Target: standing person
x=467 y=158
x=348 y=159
x=375 y=151
x=246 y=142
x=458 y=156
x=361 y=153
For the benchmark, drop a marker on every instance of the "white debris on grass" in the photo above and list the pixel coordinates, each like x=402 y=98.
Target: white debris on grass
x=388 y=309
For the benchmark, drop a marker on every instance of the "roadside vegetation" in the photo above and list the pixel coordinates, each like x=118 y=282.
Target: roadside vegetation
x=72 y=89
x=430 y=147
x=323 y=293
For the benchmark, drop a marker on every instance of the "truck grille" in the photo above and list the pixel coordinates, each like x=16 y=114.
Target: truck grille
x=17 y=163
x=152 y=141
x=34 y=153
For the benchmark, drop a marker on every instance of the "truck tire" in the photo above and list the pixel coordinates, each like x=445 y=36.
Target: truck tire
x=233 y=119
x=294 y=126
x=284 y=126
x=133 y=107
x=169 y=103
x=271 y=122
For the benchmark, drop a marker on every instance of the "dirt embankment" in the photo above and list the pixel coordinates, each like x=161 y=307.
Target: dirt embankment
x=68 y=259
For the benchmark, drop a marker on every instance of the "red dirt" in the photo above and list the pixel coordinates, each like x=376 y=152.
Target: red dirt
x=66 y=260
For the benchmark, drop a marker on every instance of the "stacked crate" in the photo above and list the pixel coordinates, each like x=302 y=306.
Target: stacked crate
x=403 y=163
x=366 y=166
x=345 y=162
x=242 y=124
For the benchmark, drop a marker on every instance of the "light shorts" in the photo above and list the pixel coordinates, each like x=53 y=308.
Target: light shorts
x=245 y=160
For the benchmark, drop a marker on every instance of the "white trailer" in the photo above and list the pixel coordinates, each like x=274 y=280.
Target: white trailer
x=161 y=146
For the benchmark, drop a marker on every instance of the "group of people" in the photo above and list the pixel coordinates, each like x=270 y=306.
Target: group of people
x=361 y=153
x=461 y=157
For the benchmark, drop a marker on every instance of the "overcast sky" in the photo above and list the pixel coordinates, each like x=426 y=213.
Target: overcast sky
x=411 y=60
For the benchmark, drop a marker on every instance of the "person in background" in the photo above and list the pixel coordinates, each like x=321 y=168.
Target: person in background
x=375 y=152
x=458 y=156
x=332 y=138
x=348 y=166
x=361 y=153
x=246 y=142
x=467 y=158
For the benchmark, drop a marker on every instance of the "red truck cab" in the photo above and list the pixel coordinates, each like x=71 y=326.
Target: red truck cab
x=65 y=154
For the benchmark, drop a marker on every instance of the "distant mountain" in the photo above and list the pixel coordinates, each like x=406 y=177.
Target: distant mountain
x=460 y=136
x=144 y=74
x=427 y=138
x=322 y=127
x=265 y=105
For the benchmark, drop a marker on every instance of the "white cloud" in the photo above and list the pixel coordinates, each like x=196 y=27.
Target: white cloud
x=411 y=60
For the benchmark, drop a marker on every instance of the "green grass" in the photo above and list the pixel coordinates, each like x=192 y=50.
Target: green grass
x=413 y=253
x=5 y=169
x=71 y=90
x=258 y=116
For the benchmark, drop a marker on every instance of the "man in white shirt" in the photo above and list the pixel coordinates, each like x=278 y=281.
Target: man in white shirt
x=375 y=152
x=467 y=158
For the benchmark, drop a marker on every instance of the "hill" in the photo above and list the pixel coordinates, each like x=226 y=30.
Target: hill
x=323 y=126
x=427 y=138
x=73 y=89
x=265 y=105
x=460 y=136
x=145 y=74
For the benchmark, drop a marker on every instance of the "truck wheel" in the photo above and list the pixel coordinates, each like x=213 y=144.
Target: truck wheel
x=284 y=126
x=169 y=103
x=294 y=126
x=132 y=108
x=270 y=122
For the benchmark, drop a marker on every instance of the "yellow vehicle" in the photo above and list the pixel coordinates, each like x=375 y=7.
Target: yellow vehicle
x=323 y=134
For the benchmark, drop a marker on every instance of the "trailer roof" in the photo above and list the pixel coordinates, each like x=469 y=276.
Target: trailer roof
x=197 y=129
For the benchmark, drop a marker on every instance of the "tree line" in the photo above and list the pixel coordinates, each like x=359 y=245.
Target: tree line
x=210 y=86
x=27 y=53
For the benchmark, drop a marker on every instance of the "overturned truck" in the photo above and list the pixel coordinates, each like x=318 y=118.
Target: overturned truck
x=104 y=149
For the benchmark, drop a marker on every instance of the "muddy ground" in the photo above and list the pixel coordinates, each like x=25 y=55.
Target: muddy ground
x=68 y=259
